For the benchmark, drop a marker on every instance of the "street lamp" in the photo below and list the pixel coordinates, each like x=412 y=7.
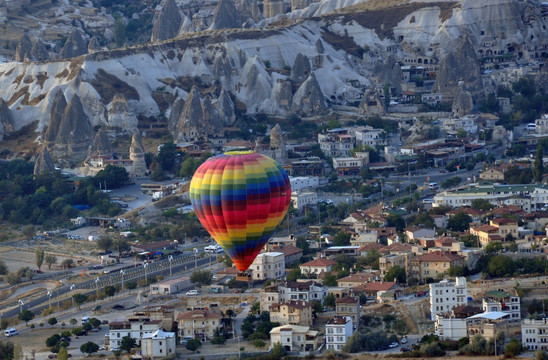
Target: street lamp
x=72 y=287
x=170 y=260
x=145 y=267
x=122 y=272
x=97 y=287
x=195 y=258
x=21 y=303
x=49 y=300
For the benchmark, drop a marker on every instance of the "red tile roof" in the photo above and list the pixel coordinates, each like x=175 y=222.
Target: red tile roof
x=292 y=304
x=347 y=300
x=503 y=221
x=467 y=210
x=397 y=246
x=378 y=286
x=486 y=228
x=319 y=263
x=371 y=246
x=289 y=250
x=439 y=256
x=359 y=277
x=199 y=314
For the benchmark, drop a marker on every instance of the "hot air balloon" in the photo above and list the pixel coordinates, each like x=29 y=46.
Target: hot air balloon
x=240 y=197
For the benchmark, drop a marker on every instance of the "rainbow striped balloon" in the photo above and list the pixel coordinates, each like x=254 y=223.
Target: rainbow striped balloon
x=240 y=197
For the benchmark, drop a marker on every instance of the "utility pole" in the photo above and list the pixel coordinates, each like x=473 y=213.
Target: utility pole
x=170 y=260
x=122 y=272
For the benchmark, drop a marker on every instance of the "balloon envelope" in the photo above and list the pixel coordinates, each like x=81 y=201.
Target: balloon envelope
x=240 y=197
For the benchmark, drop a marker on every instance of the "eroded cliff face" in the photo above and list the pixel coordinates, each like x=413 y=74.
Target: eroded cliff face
x=278 y=70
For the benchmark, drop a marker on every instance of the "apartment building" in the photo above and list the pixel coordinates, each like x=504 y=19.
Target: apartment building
x=534 y=334
x=434 y=264
x=292 y=313
x=349 y=307
x=502 y=301
x=268 y=266
x=296 y=338
x=337 y=332
x=199 y=324
x=135 y=329
x=446 y=295
x=158 y=344
x=302 y=290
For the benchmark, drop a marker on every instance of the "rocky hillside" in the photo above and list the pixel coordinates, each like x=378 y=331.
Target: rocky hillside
x=198 y=82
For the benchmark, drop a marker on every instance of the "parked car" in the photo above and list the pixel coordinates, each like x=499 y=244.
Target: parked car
x=403 y=340
x=192 y=292
x=393 y=345
x=405 y=349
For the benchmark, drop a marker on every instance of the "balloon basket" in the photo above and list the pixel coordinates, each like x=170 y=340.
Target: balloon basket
x=243 y=277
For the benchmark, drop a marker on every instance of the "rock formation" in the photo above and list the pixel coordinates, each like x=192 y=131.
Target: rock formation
x=44 y=163
x=277 y=144
x=225 y=108
x=319 y=46
x=222 y=71
x=38 y=52
x=460 y=65
x=166 y=22
x=120 y=114
x=57 y=110
x=213 y=124
x=309 y=98
x=463 y=103
x=137 y=155
x=301 y=69
x=190 y=126
x=226 y=16
x=390 y=72
x=371 y=104
x=94 y=45
x=23 y=47
x=248 y=9
x=14 y=5
x=74 y=46
x=254 y=86
x=282 y=96
x=101 y=145
x=175 y=114
x=75 y=133
x=6 y=119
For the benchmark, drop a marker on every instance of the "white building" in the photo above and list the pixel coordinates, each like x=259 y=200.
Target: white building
x=541 y=125
x=135 y=329
x=302 y=290
x=337 y=332
x=295 y=338
x=446 y=295
x=534 y=334
x=171 y=286
x=303 y=182
x=466 y=123
x=158 y=344
x=538 y=195
x=335 y=145
x=302 y=199
x=268 y=266
x=367 y=135
x=501 y=301
x=451 y=328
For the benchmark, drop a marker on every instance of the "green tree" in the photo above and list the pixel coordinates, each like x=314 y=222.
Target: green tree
x=79 y=299
x=104 y=243
x=396 y=221
x=119 y=31
x=396 y=273
x=127 y=343
x=218 y=340
x=538 y=166
x=89 y=348
x=6 y=350
x=26 y=316
x=493 y=247
x=259 y=343
x=461 y=133
x=67 y=263
x=50 y=260
x=459 y=222
x=201 y=277
x=501 y=265
x=3 y=268
x=342 y=239
x=121 y=245
x=96 y=323
x=112 y=176
x=294 y=274
x=278 y=351
x=62 y=354
x=330 y=279
x=110 y=290
x=193 y=344
x=39 y=255
x=481 y=204
x=52 y=321
x=329 y=300
x=513 y=348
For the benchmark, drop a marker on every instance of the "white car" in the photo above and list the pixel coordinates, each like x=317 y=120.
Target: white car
x=393 y=345
x=403 y=340
x=192 y=292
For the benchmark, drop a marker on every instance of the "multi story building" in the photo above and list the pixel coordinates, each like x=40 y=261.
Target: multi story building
x=199 y=324
x=317 y=266
x=302 y=199
x=336 y=145
x=503 y=302
x=434 y=264
x=164 y=313
x=367 y=135
x=158 y=344
x=292 y=312
x=356 y=279
x=534 y=333
x=303 y=182
x=313 y=166
x=305 y=290
x=498 y=230
x=296 y=338
x=446 y=295
x=268 y=266
x=337 y=332
x=349 y=165
x=135 y=329
x=387 y=262
x=269 y=296
x=535 y=194
x=349 y=307
x=454 y=325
